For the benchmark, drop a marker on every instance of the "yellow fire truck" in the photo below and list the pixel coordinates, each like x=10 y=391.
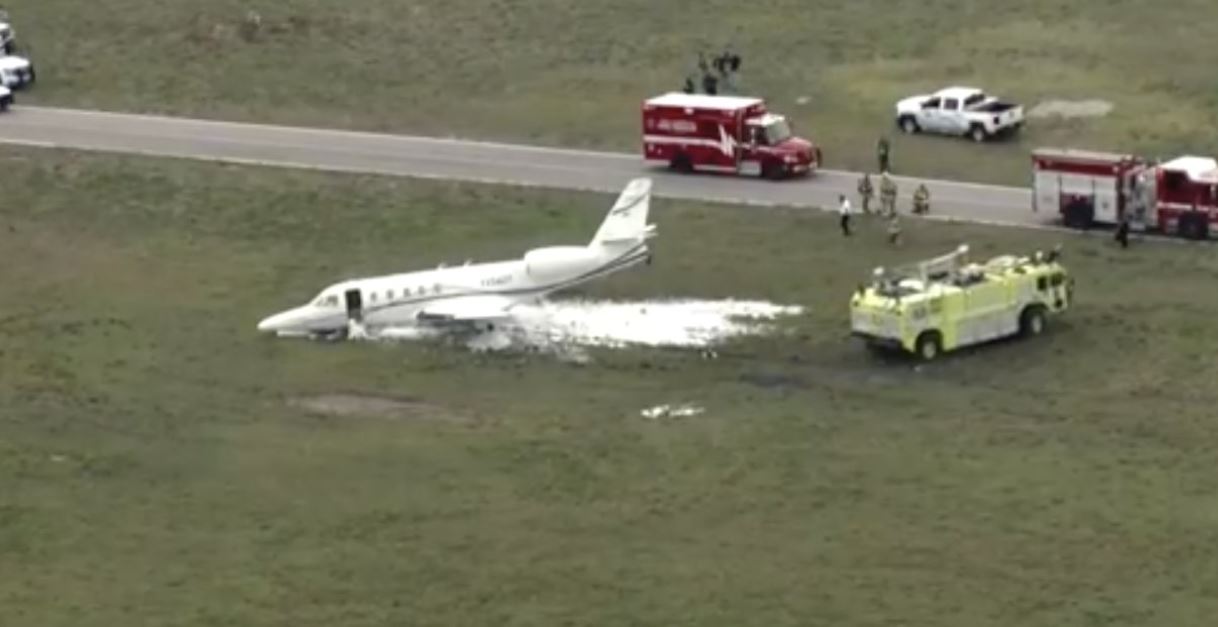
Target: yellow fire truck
x=946 y=303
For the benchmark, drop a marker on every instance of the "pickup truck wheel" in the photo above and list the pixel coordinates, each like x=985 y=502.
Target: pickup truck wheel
x=1032 y=321
x=977 y=132
x=908 y=124
x=929 y=345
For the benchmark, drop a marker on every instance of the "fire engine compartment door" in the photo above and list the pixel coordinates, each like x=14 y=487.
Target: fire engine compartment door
x=1101 y=191
x=1048 y=191
x=1106 y=194
x=748 y=156
x=987 y=314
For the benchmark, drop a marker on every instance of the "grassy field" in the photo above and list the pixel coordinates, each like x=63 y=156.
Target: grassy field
x=573 y=73
x=155 y=470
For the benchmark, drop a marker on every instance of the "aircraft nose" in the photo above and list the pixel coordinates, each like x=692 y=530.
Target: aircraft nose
x=272 y=323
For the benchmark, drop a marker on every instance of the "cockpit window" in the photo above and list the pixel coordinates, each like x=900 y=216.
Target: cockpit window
x=326 y=300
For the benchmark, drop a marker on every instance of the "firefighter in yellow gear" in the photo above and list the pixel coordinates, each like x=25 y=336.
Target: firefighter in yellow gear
x=894 y=229
x=866 y=192
x=921 y=200
x=888 y=195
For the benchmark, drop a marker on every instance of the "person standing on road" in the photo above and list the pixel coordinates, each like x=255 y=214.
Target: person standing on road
x=921 y=200
x=881 y=149
x=866 y=192
x=888 y=195
x=843 y=211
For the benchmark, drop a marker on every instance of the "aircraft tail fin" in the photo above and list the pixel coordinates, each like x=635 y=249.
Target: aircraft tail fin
x=627 y=220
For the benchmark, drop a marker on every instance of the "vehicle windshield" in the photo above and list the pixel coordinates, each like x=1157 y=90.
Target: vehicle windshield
x=777 y=131
x=898 y=289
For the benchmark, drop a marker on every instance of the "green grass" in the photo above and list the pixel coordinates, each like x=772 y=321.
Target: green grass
x=152 y=470
x=573 y=73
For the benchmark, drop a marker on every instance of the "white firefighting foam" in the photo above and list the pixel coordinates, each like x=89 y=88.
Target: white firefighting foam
x=675 y=323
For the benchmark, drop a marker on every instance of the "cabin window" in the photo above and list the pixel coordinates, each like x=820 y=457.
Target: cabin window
x=1057 y=279
x=951 y=104
x=1174 y=180
x=435 y=289
x=1042 y=284
x=388 y=294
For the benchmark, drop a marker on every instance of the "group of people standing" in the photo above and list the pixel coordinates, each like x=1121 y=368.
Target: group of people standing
x=888 y=197
x=719 y=73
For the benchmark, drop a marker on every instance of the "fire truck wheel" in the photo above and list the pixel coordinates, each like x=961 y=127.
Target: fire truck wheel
x=1193 y=227
x=681 y=163
x=977 y=132
x=1032 y=321
x=771 y=170
x=929 y=345
x=909 y=124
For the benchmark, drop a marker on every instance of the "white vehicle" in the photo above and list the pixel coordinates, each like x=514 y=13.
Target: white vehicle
x=475 y=295
x=965 y=111
x=6 y=98
x=16 y=72
x=7 y=38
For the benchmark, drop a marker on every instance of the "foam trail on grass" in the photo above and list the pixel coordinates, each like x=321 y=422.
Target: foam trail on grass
x=671 y=323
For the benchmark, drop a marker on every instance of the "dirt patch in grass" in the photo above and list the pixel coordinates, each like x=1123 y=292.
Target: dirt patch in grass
x=356 y=405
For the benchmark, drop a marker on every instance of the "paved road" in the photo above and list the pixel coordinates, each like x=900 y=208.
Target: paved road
x=468 y=160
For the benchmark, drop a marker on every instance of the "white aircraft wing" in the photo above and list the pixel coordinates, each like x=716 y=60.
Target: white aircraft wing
x=468 y=309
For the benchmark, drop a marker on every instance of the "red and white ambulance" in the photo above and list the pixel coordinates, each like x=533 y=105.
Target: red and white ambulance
x=734 y=134
x=1087 y=188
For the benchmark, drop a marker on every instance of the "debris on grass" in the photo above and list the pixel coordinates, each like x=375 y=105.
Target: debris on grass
x=671 y=411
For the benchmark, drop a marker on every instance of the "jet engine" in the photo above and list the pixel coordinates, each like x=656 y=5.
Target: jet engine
x=559 y=262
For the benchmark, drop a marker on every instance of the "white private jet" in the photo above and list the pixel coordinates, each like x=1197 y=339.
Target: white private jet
x=476 y=294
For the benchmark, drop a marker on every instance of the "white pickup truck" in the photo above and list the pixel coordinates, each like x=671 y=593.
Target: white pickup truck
x=16 y=72
x=965 y=111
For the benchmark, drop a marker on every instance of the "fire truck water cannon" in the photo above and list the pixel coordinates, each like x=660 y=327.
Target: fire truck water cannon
x=947 y=303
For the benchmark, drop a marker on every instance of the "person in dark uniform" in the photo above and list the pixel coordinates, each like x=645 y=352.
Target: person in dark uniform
x=710 y=84
x=1122 y=232
x=689 y=85
x=881 y=149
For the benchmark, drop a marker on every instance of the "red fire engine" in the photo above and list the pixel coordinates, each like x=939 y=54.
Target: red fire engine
x=691 y=132
x=1088 y=188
